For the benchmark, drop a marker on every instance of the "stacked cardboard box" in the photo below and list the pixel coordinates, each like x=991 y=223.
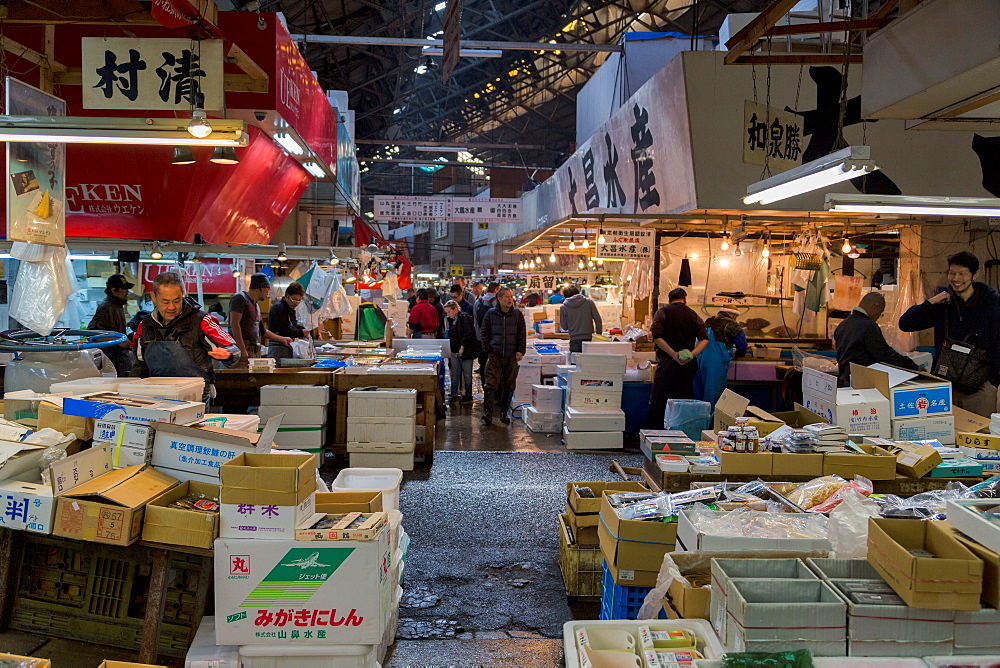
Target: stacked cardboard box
x=381 y=428
x=304 y=407
x=594 y=419
x=266 y=496
x=195 y=452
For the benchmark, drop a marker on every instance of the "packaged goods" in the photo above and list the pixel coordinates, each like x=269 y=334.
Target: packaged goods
x=816 y=491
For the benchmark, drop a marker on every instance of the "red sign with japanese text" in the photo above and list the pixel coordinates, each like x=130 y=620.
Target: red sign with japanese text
x=216 y=275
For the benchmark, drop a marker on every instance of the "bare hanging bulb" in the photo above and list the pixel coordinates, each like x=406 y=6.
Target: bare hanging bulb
x=724 y=246
x=572 y=245
x=766 y=252
x=552 y=258
x=586 y=243
x=600 y=238
x=580 y=265
x=846 y=248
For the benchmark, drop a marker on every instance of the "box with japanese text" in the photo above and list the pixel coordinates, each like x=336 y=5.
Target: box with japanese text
x=631 y=544
x=271 y=478
x=121 y=408
x=191 y=527
x=203 y=450
x=262 y=520
x=109 y=508
x=285 y=592
x=131 y=442
x=858 y=411
x=910 y=393
x=351 y=526
x=981 y=441
x=939 y=428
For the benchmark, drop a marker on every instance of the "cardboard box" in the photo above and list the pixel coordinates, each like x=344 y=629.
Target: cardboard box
x=28 y=506
x=592 y=440
x=940 y=428
x=109 y=509
x=957 y=468
x=745 y=463
x=584 y=527
x=879 y=464
x=632 y=544
x=35 y=663
x=952 y=580
x=294 y=395
x=266 y=521
x=380 y=430
x=348 y=502
x=300 y=437
x=688 y=601
x=371 y=525
x=587 y=398
x=594 y=419
x=50 y=415
x=586 y=505
x=176 y=526
x=695 y=540
x=131 y=442
x=127 y=664
x=914 y=459
x=975 y=440
x=991 y=567
x=24 y=406
x=799 y=417
x=792 y=464
x=18 y=459
x=911 y=393
x=121 y=408
x=203 y=450
x=547 y=398
x=346 y=586
x=608 y=363
x=268 y=479
x=770 y=615
x=731 y=406
x=381 y=402
x=293 y=415
x=630 y=577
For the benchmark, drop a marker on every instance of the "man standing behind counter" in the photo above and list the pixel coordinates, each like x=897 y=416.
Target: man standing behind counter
x=245 y=323
x=859 y=340
x=680 y=336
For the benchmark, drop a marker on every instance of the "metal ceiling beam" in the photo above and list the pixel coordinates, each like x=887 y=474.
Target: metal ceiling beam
x=466 y=43
x=450 y=144
x=452 y=163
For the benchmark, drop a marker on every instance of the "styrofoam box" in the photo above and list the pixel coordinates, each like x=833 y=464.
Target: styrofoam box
x=707 y=644
x=388 y=460
x=88 y=385
x=547 y=398
x=601 y=362
x=294 y=415
x=179 y=389
x=595 y=381
x=294 y=395
x=386 y=481
x=529 y=374
x=609 y=347
x=306 y=656
x=305 y=437
x=382 y=403
x=381 y=429
x=841 y=662
x=543 y=422
x=593 y=440
x=204 y=653
x=983 y=660
x=977 y=632
x=395 y=448
x=583 y=398
x=582 y=418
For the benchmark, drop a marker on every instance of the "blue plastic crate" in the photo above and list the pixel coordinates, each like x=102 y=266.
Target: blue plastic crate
x=621 y=601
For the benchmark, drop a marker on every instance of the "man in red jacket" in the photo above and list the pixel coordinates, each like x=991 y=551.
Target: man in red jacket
x=423 y=320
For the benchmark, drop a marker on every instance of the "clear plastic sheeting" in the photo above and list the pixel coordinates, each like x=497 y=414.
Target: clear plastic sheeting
x=848 y=527
x=37 y=371
x=802 y=359
x=687 y=415
x=756 y=524
x=910 y=292
x=41 y=289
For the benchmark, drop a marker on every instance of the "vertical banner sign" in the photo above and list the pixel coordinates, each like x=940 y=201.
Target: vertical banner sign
x=626 y=244
x=452 y=38
x=774 y=135
x=36 y=173
x=126 y=73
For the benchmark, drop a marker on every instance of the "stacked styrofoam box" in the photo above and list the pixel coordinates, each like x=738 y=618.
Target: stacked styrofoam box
x=529 y=373
x=381 y=428
x=303 y=426
x=545 y=414
x=594 y=419
x=397 y=312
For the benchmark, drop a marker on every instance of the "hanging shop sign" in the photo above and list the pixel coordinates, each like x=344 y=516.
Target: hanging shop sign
x=151 y=73
x=216 y=275
x=36 y=173
x=553 y=281
x=456 y=270
x=403 y=208
x=629 y=243
x=773 y=137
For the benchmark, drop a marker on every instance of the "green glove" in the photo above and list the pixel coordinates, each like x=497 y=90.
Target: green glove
x=685 y=355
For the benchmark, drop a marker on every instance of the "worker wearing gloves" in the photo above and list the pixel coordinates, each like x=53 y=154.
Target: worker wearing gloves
x=859 y=340
x=281 y=320
x=179 y=339
x=680 y=337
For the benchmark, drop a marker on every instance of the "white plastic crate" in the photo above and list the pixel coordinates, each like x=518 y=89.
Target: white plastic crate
x=177 y=388
x=382 y=403
x=204 y=653
x=309 y=656
x=95 y=384
x=708 y=641
x=381 y=429
x=386 y=481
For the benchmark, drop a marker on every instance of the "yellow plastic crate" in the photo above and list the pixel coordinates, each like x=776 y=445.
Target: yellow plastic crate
x=580 y=566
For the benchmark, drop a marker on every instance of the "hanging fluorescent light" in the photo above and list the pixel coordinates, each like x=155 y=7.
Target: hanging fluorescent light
x=100 y=258
x=839 y=166
x=914 y=205
x=288 y=143
x=102 y=130
x=199 y=126
x=465 y=53
x=314 y=169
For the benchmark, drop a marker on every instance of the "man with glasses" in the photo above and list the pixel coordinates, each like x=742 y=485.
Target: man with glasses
x=965 y=316
x=281 y=321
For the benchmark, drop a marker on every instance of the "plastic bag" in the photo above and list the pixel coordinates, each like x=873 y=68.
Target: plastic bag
x=37 y=371
x=49 y=437
x=40 y=292
x=756 y=524
x=910 y=292
x=337 y=305
x=848 y=525
x=816 y=491
x=802 y=360
x=859 y=485
x=687 y=415
x=303 y=350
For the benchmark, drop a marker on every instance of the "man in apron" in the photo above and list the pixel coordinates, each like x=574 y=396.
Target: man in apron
x=179 y=339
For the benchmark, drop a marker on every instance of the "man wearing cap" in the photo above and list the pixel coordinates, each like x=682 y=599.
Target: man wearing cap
x=245 y=322
x=110 y=317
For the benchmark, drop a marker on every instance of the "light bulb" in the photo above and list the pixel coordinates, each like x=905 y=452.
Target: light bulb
x=520 y=265
x=155 y=253
x=538 y=259
x=586 y=243
x=846 y=248
x=600 y=262
x=737 y=252
x=236 y=273
x=581 y=265
x=854 y=255
x=590 y=263
x=766 y=252
x=552 y=258
x=572 y=245
x=601 y=239
x=724 y=246
x=199 y=127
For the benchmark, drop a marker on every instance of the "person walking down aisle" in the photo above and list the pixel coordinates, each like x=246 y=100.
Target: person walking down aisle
x=179 y=339
x=423 y=320
x=484 y=303
x=859 y=340
x=464 y=349
x=245 y=322
x=578 y=315
x=680 y=336
x=461 y=298
x=110 y=317
x=505 y=339
x=965 y=316
x=281 y=321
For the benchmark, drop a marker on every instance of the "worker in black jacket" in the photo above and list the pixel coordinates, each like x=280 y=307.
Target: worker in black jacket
x=504 y=336
x=859 y=340
x=110 y=317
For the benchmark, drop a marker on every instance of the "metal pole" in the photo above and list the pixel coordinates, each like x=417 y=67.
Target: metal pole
x=655 y=301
